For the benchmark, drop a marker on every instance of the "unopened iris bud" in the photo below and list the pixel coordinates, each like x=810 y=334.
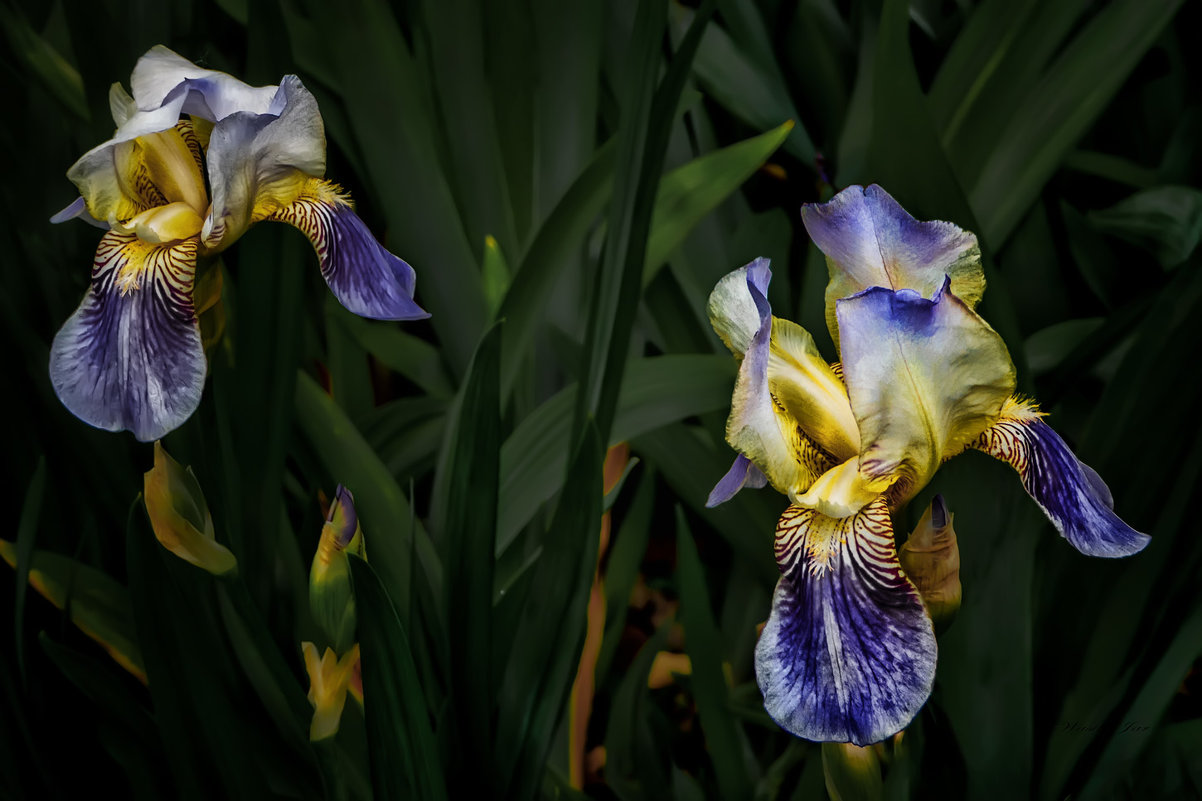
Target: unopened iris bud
x=180 y=517
x=330 y=597
x=931 y=559
x=329 y=680
x=852 y=772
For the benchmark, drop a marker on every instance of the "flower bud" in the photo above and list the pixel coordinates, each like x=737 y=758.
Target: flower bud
x=180 y=517
x=329 y=680
x=931 y=559
x=852 y=772
x=330 y=597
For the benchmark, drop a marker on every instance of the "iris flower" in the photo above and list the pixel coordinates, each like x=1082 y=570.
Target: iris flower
x=197 y=158
x=848 y=652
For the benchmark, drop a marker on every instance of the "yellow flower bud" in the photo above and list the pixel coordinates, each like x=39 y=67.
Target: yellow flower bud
x=329 y=680
x=931 y=559
x=180 y=517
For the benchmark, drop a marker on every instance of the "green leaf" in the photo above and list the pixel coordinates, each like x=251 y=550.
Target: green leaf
x=636 y=758
x=495 y=275
x=27 y=530
x=1061 y=108
x=400 y=741
x=539 y=674
x=751 y=91
x=411 y=356
x=560 y=238
x=1166 y=220
x=642 y=142
x=622 y=568
x=44 y=62
x=471 y=518
x=660 y=390
x=692 y=191
x=93 y=600
x=703 y=642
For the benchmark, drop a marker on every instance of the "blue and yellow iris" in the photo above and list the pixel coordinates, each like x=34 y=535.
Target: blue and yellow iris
x=197 y=158
x=848 y=653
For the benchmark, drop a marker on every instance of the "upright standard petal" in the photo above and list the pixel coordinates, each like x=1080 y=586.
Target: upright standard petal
x=925 y=378
x=362 y=274
x=759 y=427
x=259 y=163
x=870 y=240
x=1072 y=495
x=733 y=311
x=848 y=653
x=162 y=76
x=130 y=356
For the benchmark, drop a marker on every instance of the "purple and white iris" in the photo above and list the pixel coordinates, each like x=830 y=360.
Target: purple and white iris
x=197 y=158
x=848 y=653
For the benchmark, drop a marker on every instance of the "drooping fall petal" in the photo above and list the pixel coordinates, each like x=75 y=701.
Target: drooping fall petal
x=848 y=653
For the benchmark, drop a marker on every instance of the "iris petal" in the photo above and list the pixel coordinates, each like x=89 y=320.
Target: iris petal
x=848 y=653
x=870 y=240
x=362 y=274
x=260 y=163
x=162 y=76
x=925 y=378
x=741 y=474
x=733 y=312
x=759 y=427
x=1073 y=496
x=130 y=356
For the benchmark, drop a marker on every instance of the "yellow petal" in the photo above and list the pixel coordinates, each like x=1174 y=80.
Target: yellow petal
x=180 y=520
x=810 y=391
x=842 y=491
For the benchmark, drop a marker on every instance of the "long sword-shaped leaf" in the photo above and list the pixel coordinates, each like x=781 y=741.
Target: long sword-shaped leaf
x=539 y=673
x=1075 y=90
x=703 y=642
x=642 y=142
x=471 y=517
x=401 y=745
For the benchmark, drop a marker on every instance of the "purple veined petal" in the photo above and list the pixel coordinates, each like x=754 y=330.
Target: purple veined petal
x=848 y=653
x=130 y=357
x=1072 y=495
x=870 y=240
x=741 y=474
x=79 y=210
x=162 y=75
x=362 y=274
